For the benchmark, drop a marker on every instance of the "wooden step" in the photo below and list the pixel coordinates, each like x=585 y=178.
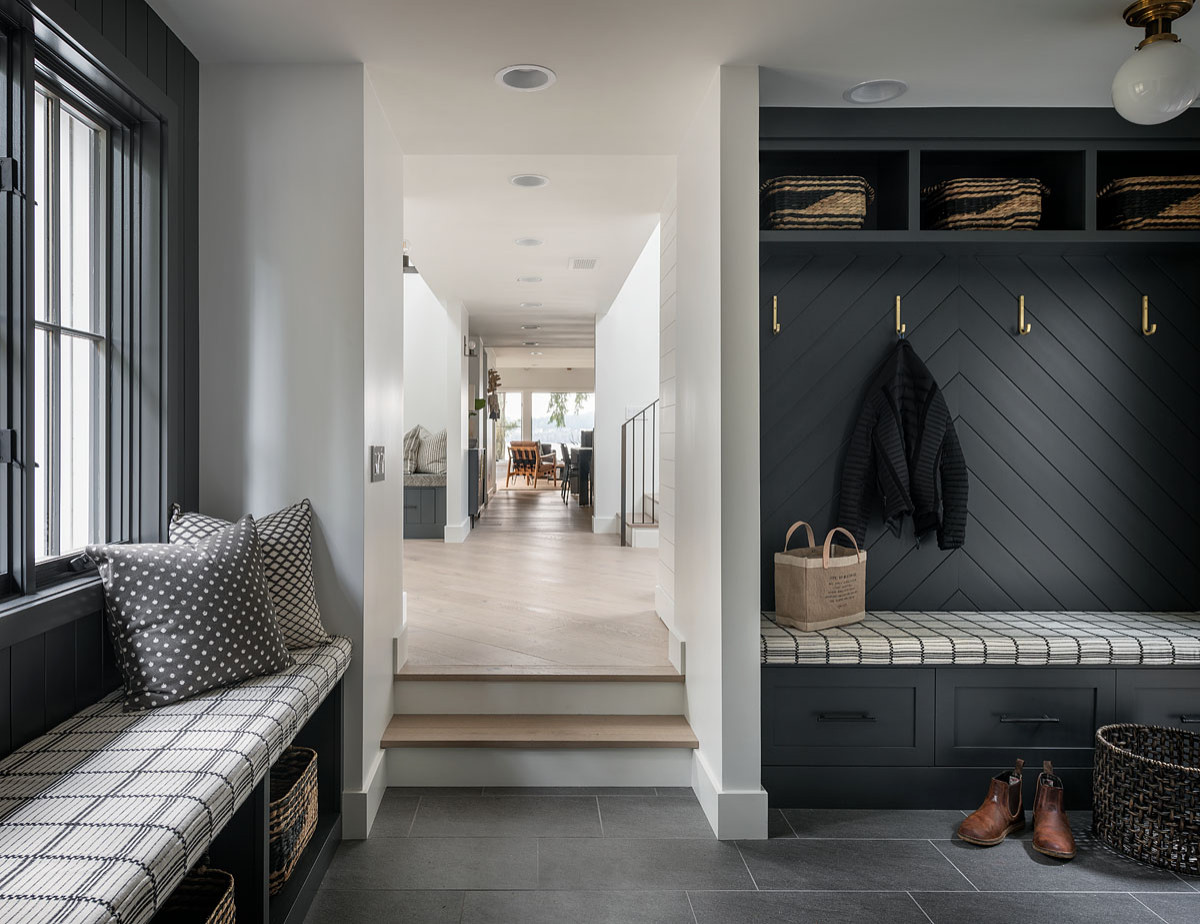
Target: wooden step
x=539 y=731
x=635 y=521
x=556 y=673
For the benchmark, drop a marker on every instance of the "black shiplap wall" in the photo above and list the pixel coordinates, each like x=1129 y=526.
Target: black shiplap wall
x=46 y=675
x=1082 y=438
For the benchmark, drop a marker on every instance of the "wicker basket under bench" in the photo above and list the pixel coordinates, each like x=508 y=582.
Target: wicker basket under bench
x=293 y=811
x=204 y=897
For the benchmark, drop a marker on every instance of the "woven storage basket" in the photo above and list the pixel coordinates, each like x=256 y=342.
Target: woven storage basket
x=1136 y=203
x=294 y=810
x=983 y=204
x=1146 y=794
x=204 y=897
x=824 y=203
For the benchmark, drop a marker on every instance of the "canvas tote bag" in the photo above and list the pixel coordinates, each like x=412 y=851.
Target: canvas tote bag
x=819 y=587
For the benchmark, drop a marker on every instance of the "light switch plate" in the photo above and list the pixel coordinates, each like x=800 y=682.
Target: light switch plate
x=377 y=469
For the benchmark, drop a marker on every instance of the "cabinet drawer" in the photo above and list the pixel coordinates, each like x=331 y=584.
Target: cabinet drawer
x=988 y=716
x=848 y=716
x=1167 y=696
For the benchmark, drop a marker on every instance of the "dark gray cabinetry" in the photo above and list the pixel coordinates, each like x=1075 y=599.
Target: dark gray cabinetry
x=424 y=512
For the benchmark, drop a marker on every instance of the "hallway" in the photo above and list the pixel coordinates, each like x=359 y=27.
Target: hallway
x=532 y=586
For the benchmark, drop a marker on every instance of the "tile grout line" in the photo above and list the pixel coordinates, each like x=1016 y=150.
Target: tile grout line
x=691 y=907
x=413 y=823
x=745 y=864
x=787 y=821
x=1147 y=907
x=952 y=863
x=537 y=863
x=599 y=815
x=1184 y=881
x=462 y=908
x=918 y=904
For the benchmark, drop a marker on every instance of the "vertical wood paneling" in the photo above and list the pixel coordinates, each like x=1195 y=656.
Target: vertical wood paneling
x=1080 y=438
x=60 y=673
x=156 y=49
x=114 y=22
x=90 y=641
x=5 y=702
x=92 y=11
x=28 y=706
x=135 y=35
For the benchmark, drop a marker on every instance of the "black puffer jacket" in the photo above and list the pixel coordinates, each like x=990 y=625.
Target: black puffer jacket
x=903 y=445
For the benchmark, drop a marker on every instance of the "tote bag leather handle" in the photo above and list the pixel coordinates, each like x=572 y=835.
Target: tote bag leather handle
x=829 y=542
x=812 y=540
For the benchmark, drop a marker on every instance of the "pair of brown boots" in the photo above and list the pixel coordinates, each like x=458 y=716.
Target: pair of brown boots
x=1003 y=813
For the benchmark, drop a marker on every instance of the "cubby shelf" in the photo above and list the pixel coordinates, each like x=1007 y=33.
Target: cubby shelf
x=784 y=238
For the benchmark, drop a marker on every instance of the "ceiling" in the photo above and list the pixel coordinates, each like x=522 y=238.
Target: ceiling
x=630 y=75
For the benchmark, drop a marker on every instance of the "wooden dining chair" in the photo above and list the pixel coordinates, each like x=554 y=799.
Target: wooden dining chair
x=522 y=460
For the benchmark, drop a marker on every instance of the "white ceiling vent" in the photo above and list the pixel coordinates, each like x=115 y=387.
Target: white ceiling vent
x=581 y=263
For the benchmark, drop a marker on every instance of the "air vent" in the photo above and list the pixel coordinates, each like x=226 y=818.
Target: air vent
x=582 y=263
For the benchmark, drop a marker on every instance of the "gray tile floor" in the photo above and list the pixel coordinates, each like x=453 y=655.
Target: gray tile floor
x=646 y=856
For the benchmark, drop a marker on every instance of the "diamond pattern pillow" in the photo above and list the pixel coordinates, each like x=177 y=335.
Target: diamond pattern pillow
x=188 y=618
x=431 y=454
x=412 y=442
x=286 y=538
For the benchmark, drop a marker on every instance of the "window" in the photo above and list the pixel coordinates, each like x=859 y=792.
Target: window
x=508 y=427
x=70 y=326
x=560 y=417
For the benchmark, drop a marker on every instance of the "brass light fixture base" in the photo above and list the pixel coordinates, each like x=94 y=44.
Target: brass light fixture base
x=1156 y=16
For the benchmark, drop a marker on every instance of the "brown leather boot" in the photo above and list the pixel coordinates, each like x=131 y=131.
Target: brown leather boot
x=1000 y=815
x=1051 y=830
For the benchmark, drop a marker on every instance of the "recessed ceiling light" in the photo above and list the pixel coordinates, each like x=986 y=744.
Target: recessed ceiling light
x=875 y=91
x=531 y=304
x=535 y=352
x=529 y=279
x=528 y=242
x=525 y=77
x=529 y=180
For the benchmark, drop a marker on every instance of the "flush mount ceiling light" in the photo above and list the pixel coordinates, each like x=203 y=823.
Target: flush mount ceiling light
x=528 y=242
x=529 y=180
x=530 y=343
x=875 y=91
x=530 y=327
x=1161 y=79
x=531 y=304
x=535 y=352
x=526 y=78
x=529 y=279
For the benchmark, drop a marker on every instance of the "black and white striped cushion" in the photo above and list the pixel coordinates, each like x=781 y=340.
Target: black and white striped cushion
x=412 y=443
x=101 y=818
x=991 y=638
x=286 y=541
x=431 y=454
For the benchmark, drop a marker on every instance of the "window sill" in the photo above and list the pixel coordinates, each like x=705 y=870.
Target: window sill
x=25 y=617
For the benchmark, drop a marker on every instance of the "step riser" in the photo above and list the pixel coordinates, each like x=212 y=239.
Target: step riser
x=533 y=767
x=487 y=697
x=644 y=538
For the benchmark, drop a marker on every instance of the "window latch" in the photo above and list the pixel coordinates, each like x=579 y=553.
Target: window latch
x=8 y=439
x=9 y=176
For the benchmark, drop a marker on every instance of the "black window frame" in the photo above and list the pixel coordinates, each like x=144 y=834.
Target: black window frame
x=142 y=175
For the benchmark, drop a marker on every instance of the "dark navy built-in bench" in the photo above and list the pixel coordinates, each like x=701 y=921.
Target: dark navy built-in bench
x=912 y=710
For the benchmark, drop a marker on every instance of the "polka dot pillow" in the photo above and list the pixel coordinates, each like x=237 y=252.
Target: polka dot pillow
x=286 y=537
x=188 y=618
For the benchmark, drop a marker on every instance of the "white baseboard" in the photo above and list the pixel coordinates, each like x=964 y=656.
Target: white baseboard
x=677 y=651
x=606 y=525
x=400 y=648
x=733 y=814
x=644 y=538
x=664 y=605
x=359 y=807
x=457 y=532
x=530 y=767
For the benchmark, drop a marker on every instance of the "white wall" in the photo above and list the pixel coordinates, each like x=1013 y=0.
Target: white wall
x=548 y=379
x=626 y=378
x=436 y=387
x=289 y=293
x=716 y=506
x=664 y=588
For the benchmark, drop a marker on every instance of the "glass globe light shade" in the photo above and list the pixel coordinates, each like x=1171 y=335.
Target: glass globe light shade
x=1157 y=83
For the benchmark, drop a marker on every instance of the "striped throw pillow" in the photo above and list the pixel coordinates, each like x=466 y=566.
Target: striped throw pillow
x=412 y=443
x=431 y=455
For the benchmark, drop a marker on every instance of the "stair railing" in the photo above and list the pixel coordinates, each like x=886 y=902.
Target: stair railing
x=634 y=482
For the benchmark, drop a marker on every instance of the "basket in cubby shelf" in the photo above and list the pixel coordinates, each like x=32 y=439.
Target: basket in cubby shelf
x=1137 y=203
x=205 y=896
x=983 y=203
x=821 y=203
x=293 y=811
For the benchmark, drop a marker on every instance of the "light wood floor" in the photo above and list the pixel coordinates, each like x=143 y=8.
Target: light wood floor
x=532 y=586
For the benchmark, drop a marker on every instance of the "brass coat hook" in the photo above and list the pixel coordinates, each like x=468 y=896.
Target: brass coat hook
x=1022 y=327
x=901 y=329
x=1148 y=329
x=775 y=314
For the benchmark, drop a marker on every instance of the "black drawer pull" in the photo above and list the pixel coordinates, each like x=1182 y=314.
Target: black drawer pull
x=1190 y=719
x=845 y=717
x=1028 y=720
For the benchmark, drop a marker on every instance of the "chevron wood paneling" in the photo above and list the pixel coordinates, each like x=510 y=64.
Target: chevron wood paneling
x=1082 y=438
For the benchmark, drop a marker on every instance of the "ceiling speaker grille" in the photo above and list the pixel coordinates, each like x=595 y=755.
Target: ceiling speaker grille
x=582 y=263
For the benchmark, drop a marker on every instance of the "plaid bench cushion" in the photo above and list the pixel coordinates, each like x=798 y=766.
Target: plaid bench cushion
x=992 y=638
x=101 y=818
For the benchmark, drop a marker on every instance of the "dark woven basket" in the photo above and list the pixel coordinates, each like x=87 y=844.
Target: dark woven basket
x=293 y=811
x=204 y=897
x=1136 y=203
x=823 y=203
x=983 y=204
x=1147 y=794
